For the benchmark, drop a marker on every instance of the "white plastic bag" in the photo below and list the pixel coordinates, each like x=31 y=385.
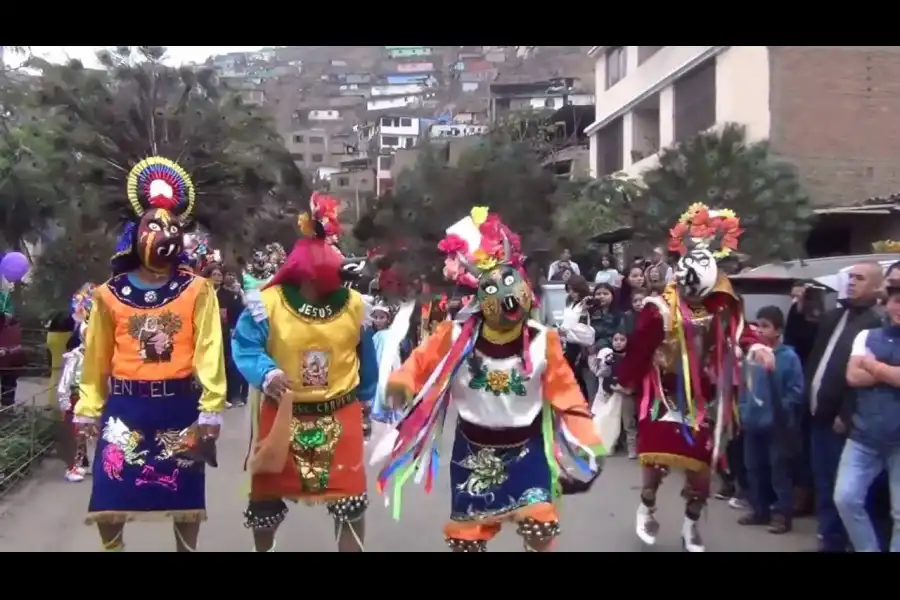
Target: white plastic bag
x=607 y=410
x=576 y=332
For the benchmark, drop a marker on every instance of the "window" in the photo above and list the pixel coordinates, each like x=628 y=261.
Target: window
x=389 y=122
x=298 y=139
x=317 y=158
x=610 y=143
x=695 y=101
x=316 y=139
x=548 y=102
x=390 y=141
x=385 y=163
x=409 y=142
x=343 y=182
x=645 y=52
x=405 y=122
x=297 y=156
x=615 y=65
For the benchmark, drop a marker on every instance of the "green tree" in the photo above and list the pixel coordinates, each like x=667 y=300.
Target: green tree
x=588 y=207
x=98 y=123
x=723 y=170
x=504 y=175
x=135 y=106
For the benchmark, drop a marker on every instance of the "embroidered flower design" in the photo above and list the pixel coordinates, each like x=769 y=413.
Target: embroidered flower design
x=497 y=382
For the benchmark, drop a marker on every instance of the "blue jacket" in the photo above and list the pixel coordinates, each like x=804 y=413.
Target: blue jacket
x=876 y=421
x=756 y=404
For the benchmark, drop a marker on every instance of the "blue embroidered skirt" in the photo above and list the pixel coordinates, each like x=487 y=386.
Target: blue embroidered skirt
x=140 y=469
x=493 y=482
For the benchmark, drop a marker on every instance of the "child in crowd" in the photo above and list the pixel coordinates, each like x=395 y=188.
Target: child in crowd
x=629 y=317
x=610 y=401
x=768 y=407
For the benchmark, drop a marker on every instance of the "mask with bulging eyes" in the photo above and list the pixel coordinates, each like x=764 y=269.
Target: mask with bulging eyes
x=696 y=273
x=504 y=297
x=159 y=240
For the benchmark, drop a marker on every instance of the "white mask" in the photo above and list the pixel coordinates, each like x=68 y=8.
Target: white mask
x=696 y=273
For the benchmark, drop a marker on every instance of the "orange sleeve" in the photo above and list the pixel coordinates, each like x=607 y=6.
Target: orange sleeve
x=412 y=376
x=562 y=392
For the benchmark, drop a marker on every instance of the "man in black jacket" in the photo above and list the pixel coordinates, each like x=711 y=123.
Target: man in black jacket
x=831 y=400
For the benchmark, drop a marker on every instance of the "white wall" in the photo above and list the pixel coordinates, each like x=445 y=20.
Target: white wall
x=389 y=103
x=440 y=131
x=389 y=125
x=324 y=115
x=397 y=89
x=742 y=94
x=401 y=141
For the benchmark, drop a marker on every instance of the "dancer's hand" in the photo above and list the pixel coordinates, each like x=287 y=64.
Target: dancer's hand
x=210 y=432
x=278 y=386
x=397 y=397
x=87 y=430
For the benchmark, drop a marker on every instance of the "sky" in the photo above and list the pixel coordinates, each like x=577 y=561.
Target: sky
x=177 y=54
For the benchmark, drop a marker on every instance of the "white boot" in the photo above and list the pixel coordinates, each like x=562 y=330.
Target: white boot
x=646 y=526
x=690 y=536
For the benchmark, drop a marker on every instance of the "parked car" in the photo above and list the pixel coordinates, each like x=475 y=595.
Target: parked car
x=771 y=284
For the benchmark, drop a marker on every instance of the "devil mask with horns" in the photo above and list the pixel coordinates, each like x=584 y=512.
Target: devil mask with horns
x=484 y=254
x=162 y=197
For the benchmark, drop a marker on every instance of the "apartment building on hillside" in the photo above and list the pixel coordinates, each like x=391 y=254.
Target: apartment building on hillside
x=832 y=111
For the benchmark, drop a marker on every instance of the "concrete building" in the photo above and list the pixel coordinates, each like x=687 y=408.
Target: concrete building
x=829 y=110
x=537 y=95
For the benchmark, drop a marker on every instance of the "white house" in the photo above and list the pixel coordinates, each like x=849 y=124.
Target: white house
x=456 y=130
x=637 y=111
x=325 y=115
x=387 y=103
x=398 y=132
x=398 y=89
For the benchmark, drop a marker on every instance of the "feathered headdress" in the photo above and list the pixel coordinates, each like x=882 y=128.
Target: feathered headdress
x=322 y=219
x=154 y=182
x=699 y=227
x=477 y=244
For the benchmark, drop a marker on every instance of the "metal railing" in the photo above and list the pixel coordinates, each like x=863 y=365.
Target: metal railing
x=28 y=431
x=31 y=422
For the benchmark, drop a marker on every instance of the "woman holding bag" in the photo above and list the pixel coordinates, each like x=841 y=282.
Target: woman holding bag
x=575 y=331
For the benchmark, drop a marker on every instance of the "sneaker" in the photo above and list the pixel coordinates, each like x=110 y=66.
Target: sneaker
x=75 y=474
x=228 y=405
x=726 y=492
x=738 y=504
x=632 y=454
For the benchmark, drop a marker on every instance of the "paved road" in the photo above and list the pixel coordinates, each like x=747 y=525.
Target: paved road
x=46 y=515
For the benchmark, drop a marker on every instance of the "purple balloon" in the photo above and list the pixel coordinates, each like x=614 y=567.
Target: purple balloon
x=14 y=266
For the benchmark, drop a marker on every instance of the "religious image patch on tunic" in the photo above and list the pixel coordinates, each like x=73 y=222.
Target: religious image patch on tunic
x=155 y=335
x=315 y=368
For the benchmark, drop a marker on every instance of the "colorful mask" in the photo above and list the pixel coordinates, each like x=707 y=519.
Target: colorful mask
x=504 y=297
x=162 y=196
x=482 y=253
x=82 y=301
x=702 y=237
x=266 y=261
x=159 y=240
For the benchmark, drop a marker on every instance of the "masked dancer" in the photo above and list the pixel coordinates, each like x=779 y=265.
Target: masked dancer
x=262 y=266
x=523 y=422
x=153 y=382
x=682 y=364
x=305 y=344
x=75 y=447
